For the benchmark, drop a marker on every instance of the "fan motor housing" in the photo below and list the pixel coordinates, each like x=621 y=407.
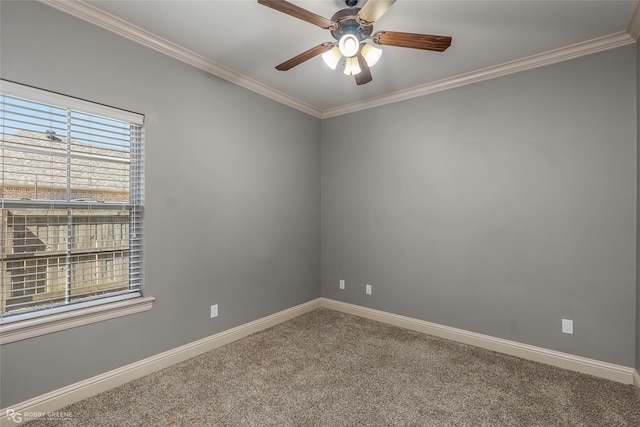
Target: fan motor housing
x=347 y=24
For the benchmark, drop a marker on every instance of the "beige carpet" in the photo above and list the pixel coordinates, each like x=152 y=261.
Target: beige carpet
x=327 y=368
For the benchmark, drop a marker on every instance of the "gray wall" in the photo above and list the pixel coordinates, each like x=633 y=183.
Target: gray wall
x=500 y=207
x=232 y=197
x=638 y=209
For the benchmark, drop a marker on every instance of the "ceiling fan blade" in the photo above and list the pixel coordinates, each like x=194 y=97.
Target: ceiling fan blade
x=304 y=56
x=373 y=10
x=411 y=40
x=364 y=76
x=298 y=12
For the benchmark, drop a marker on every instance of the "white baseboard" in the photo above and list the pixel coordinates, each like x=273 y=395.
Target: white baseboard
x=597 y=368
x=60 y=398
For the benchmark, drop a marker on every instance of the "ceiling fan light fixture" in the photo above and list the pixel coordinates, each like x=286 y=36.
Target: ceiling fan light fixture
x=371 y=54
x=352 y=27
x=352 y=67
x=349 y=45
x=332 y=57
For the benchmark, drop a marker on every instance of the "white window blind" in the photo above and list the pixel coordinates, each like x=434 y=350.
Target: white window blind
x=72 y=202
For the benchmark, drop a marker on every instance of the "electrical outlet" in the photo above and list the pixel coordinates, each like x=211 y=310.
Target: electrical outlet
x=214 y=311
x=341 y=284
x=367 y=289
x=567 y=326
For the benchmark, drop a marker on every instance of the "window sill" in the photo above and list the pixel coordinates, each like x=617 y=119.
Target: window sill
x=30 y=328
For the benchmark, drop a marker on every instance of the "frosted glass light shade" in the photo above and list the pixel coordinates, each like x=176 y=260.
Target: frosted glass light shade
x=349 y=45
x=352 y=67
x=332 y=57
x=371 y=54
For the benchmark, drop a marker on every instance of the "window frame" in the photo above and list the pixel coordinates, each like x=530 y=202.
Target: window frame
x=29 y=324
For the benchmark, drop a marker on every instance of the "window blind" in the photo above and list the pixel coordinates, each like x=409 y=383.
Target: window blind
x=71 y=223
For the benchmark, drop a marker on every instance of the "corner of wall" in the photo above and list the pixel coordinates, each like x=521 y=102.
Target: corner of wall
x=638 y=207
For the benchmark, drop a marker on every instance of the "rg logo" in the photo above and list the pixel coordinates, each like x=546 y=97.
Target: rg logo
x=15 y=416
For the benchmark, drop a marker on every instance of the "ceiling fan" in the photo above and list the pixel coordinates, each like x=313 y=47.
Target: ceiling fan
x=351 y=27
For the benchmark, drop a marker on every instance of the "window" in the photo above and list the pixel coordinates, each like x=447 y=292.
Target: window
x=71 y=204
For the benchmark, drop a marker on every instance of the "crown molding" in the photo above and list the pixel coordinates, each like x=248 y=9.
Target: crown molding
x=534 y=61
x=634 y=25
x=95 y=16
x=91 y=14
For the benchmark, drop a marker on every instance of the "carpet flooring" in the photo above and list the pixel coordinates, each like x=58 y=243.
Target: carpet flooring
x=327 y=368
